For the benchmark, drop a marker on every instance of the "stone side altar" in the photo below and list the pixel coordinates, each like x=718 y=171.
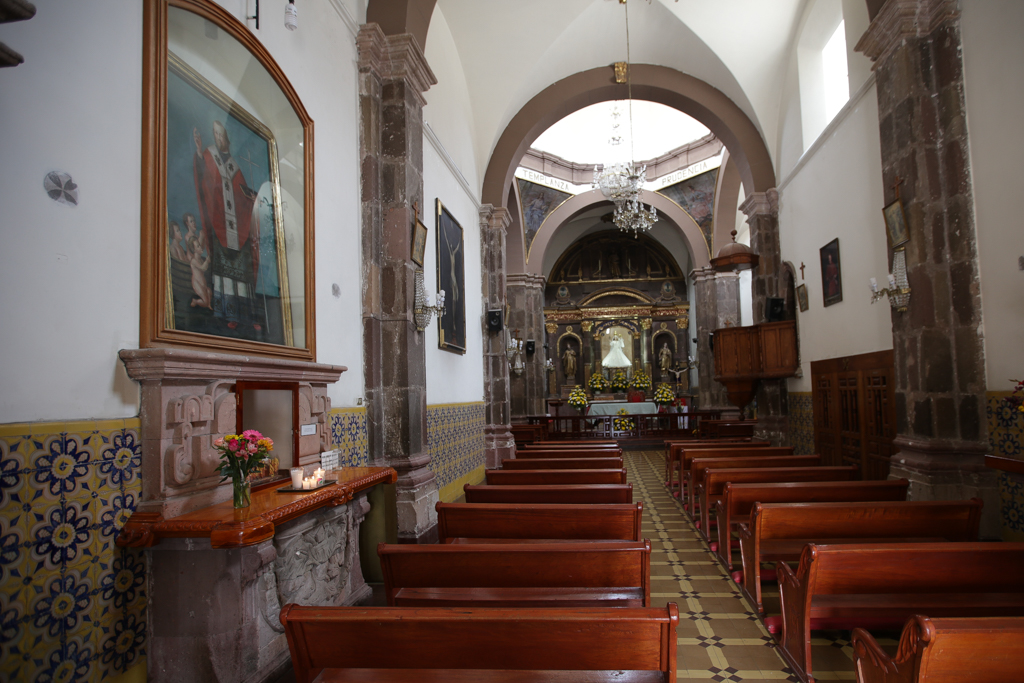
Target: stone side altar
x=218 y=576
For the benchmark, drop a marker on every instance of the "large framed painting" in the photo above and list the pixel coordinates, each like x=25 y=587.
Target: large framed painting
x=451 y=278
x=831 y=276
x=227 y=215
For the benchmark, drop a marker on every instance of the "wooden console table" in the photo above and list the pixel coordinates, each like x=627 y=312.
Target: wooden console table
x=227 y=527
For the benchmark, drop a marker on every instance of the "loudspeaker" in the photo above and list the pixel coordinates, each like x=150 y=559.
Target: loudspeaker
x=774 y=309
x=530 y=346
x=494 y=321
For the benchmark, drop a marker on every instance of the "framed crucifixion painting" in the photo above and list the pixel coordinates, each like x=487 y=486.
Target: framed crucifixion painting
x=226 y=207
x=451 y=279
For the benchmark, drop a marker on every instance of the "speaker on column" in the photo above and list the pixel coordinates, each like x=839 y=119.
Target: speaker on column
x=494 y=320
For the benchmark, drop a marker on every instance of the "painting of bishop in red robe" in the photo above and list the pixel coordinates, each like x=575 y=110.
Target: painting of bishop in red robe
x=232 y=227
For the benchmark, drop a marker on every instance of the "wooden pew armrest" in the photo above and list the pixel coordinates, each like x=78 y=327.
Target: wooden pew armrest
x=872 y=663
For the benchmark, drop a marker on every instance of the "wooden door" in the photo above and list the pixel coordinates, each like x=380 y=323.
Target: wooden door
x=854 y=411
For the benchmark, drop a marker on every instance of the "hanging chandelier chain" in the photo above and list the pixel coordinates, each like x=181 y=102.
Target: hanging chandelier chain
x=629 y=85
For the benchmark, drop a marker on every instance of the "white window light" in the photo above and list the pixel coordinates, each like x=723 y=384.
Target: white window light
x=835 y=72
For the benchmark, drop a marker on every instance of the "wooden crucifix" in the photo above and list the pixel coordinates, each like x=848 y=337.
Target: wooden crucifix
x=802 y=266
x=896 y=187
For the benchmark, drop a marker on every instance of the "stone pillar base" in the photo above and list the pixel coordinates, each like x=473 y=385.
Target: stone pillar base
x=949 y=472
x=416 y=493
x=499 y=444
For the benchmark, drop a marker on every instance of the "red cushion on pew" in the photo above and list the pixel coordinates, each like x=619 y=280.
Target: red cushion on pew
x=737 y=576
x=773 y=624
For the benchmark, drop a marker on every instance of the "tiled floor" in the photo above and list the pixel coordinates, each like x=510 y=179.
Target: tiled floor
x=720 y=638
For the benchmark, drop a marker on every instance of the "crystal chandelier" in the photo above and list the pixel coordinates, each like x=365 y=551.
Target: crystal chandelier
x=620 y=182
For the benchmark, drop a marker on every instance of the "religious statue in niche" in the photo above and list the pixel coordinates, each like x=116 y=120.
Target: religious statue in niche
x=665 y=359
x=569 y=363
x=616 y=358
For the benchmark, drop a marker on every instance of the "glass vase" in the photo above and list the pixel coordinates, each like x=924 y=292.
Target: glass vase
x=241 y=492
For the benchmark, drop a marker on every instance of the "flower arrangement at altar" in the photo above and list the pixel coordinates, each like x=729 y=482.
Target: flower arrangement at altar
x=598 y=383
x=578 y=399
x=619 y=381
x=623 y=424
x=242 y=455
x=663 y=395
x=641 y=381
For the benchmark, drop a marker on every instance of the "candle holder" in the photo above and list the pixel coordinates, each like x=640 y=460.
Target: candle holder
x=423 y=311
x=898 y=290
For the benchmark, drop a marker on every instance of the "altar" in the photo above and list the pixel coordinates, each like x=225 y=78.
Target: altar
x=613 y=408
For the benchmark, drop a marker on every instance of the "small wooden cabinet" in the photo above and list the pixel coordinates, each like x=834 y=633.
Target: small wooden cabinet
x=745 y=355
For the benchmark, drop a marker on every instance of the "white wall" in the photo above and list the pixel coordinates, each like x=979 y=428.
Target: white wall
x=451 y=377
x=836 y=191
x=69 y=276
x=449 y=174
x=993 y=53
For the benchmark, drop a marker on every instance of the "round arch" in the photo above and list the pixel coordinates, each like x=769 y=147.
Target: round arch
x=574 y=206
x=661 y=84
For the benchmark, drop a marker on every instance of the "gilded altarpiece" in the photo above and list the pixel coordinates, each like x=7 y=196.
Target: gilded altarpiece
x=608 y=284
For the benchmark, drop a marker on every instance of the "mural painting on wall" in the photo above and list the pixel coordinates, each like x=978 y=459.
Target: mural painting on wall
x=451 y=278
x=696 y=196
x=536 y=202
x=227 y=270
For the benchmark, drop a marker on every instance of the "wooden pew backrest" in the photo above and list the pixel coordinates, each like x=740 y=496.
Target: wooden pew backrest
x=595 y=639
x=555 y=477
x=562 y=464
x=950 y=650
x=698 y=466
x=569 y=493
x=485 y=520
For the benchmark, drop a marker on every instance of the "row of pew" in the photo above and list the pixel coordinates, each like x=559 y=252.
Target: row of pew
x=856 y=555
x=541 y=575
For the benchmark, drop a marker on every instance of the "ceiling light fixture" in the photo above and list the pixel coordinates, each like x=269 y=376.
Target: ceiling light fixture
x=623 y=182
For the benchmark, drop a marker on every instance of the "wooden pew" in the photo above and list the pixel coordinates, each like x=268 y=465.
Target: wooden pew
x=569 y=493
x=524 y=454
x=612 y=574
x=777 y=532
x=710 y=492
x=562 y=464
x=481 y=645
x=883 y=585
x=719 y=429
x=763 y=457
x=738 y=498
x=951 y=650
x=483 y=522
x=526 y=433
x=687 y=455
x=555 y=477
x=570 y=445
x=674 y=452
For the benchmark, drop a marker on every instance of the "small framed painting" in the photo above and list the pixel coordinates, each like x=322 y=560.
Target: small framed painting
x=831 y=277
x=801 y=298
x=419 y=242
x=896 y=224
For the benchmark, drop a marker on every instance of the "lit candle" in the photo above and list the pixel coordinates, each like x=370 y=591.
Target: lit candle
x=892 y=281
x=296 y=473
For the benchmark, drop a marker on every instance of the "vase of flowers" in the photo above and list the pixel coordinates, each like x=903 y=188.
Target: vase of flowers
x=1016 y=399
x=623 y=424
x=578 y=399
x=641 y=381
x=663 y=396
x=619 y=381
x=598 y=383
x=241 y=455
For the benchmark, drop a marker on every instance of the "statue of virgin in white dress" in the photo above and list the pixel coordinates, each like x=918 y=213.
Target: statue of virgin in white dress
x=616 y=358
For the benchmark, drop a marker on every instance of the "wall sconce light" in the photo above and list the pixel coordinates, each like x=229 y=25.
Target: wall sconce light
x=422 y=310
x=514 y=351
x=291 y=16
x=898 y=290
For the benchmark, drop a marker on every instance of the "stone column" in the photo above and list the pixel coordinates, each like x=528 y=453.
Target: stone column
x=526 y=300
x=938 y=343
x=498 y=441
x=717 y=302
x=762 y=211
x=393 y=75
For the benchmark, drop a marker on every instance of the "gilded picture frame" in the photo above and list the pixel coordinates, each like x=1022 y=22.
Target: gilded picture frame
x=227 y=202
x=451 y=328
x=831 y=274
x=419 y=242
x=896 y=224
